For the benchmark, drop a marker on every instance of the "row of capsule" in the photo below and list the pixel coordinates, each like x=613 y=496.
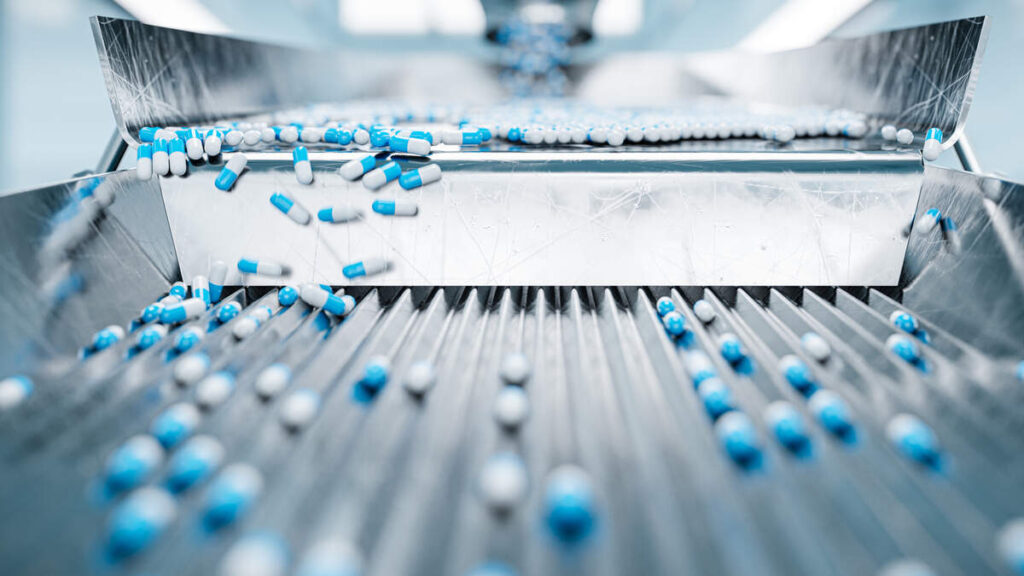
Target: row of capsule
x=908 y=433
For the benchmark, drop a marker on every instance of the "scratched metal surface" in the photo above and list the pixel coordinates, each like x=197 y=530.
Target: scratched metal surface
x=568 y=219
x=919 y=77
x=397 y=477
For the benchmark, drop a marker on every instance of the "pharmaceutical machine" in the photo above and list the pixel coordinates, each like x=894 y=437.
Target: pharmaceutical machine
x=525 y=389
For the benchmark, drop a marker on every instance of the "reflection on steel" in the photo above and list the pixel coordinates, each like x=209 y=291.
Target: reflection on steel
x=591 y=219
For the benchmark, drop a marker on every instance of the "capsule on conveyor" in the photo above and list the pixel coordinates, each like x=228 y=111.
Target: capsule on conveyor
x=138 y=521
x=815 y=346
x=193 y=463
x=303 y=169
x=832 y=413
x=288 y=134
x=931 y=219
x=511 y=407
x=317 y=297
x=361 y=137
x=699 y=365
x=798 y=374
x=299 y=408
x=201 y=290
x=420 y=177
x=149 y=336
x=788 y=427
x=888 y=132
x=189 y=369
x=378 y=177
x=703 y=310
x=515 y=369
x=283 y=202
x=904 y=347
x=354 y=169
x=261 y=267
x=420 y=377
x=716 y=396
x=177 y=160
x=175 y=424
x=189 y=309
x=905 y=137
x=287 y=295
x=218 y=275
x=187 y=339
x=675 y=324
x=739 y=439
x=932 y=144
x=951 y=234
x=230 y=495
x=247 y=326
x=569 y=506
x=914 y=439
x=132 y=464
x=148 y=133
x=665 y=305
x=367 y=267
x=338 y=214
x=107 y=337
x=214 y=389
x=503 y=482
x=144 y=162
x=178 y=289
x=272 y=380
x=193 y=145
x=268 y=135
x=395 y=207
x=409 y=145
x=903 y=321
x=212 y=142
x=260 y=554
x=228 y=312
x=252 y=137
x=14 y=390
x=375 y=372
x=231 y=171
x=331 y=558
x=344 y=136
x=731 y=348
x=161 y=158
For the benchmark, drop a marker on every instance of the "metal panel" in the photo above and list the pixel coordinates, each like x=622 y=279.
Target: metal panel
x=571 y=219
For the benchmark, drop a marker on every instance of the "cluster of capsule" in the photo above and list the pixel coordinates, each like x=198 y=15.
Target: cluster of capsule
x=932 y=219
x=905 y=137
x=533 y=57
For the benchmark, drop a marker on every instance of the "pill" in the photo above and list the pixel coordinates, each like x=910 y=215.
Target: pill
x=932 y=144
x=170 y=300
x=730 y=347
x=904 y=347
x=261 y=554
x=214 y=389
x=492 y=569
x=704 y=311
x=378 y=177
x=212 y=143
x=178 y=289
x=674 y=323
x=283 y=202
x=262 y=267
x=252 y=137
x=569 y=504
x=187 y=338
x=193 y=463
x=699 y=365
x=231 y=171
x=193 y=144
x=149 y=336
x=317 y=297
x=161 y=157
x=420 y=377
x=930 y=220
x=716 y=397
x=201 y=289
x=132 y=463
x=831 y=411
x=177 y=160
x=267 y=135
x=367 y=267
x=144 y=162
x=14 y=390
x=420 y=177
x=511 y=407
x=233 y=137
x=914 y=439
x=331 y=135
x=906 y=567
x=665 y=305
x=230 y=495
x=189 y=369
x=175 y=424
x=951 y=234
x=395 y=207
x=815 y=346
x=903 y=321
x=515 y=368
x=338 y=214
x=797 y=373
x=287 y=295
x=889 y=132
x=228 y=311
x=375 y=372
x=344 y=136
x=361 y=137
x=1010 y=544
x=905 y=137
x=503 y=481
x=788 y=426
x=138 y=521
x=289 y=134
x=246 y=327
x=147 y=133
x=739 y=439
x=272 y=380
x=333 y=557
x=311 y=134
x=299 y=408
x=107 y=337
x=410 y=145
x=218 y=274
x=353 y=169
x=183 y=311
x=151 y=313
x=303 y=169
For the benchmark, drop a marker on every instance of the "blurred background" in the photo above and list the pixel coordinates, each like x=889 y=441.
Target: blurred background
x=54 y=108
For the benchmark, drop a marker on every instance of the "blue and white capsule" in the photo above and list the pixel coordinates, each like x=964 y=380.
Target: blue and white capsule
x=303 y=169
x=716 y=397
x=228 y=311
x=257 y=554
x=299 y=408
x=731 y=348
x=201 y=290
x=914 y=439
x=699 y=365
x=272 y=380
x=420 y=177
x=213 y=390
x=175 y=424
x=932 y=144
x=569 y=504
x=231 y=171
x=378 y=177
x=338 y=214
x=675 y=323
x=904 y=347
x=376 y=372
x=213 y=142
x=704 y=312
x=261 y=267
x=218 y=275
x=832 y=413
x=951 y=235
x=133 y=463
x=739 y=438
x=397 y=207
x=797 y=373
x=138 y=521
x=107 y=337
x=187 y=339
x=193 y=463
x=189 y=309
x=144 y=162
x=788 y=426
x=665 y=305
x=161 y=157
x=179 y=289
x=317 y=297
x=409 y=145
x=930 y=220
x=148 y=133
x=354 y=169
x=366 y=267
x=290 y=208
x=149 y=336
x=231 y=495
x=189 y=369
x=177 y=160
x=903 y=321
x=14 y=390
x=193 y=144
x=287 y=295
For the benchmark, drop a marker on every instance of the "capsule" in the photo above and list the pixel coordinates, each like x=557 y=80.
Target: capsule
x=186 y=310
x=149 y=336
x=569 y=504
x=395 y=207
x=889 y=132
x=231 y=171
x=175 y=424
x=252 y=137
x=303 y=169
x=228 y=311
x=213 y=142
x=375 y=372
x=904 y=347
x=299 y=409
x=354 y=169
x=460 y=137
x=421 y=377
x=420 y=177
x=272 y=380
x=511 y=407
x=731 y=348
x=716 y=396
x=788 y=426
x=797 y=374
x=704 y=311
x=193 y=463
x=515 y=369
x=178 y=289
x=344 y=136
x=951 y=234
x=288 y=134
x=914 y=439
x=409 y=145
x=311 y=135
x=378 y=177
x=14 y=390
x=905 y=137
x=361 y=137
x=107 y=337
x=189 y=369
x=201 y=290
x=177 y=159
x=674 y=324
x=213 y=390
x=665 y=305
x=1010 y=545
x=317 y=297
x=132 y=463
x=263 y=268
x=193 y=144
x=815 y=346
x=338 y=214
x=138 y=521
x=233 y=137
x=903 y=321
x=283 y=202
x=268 y=135
x=148 y=133
x=932 y=144
x=144 y=162
x=739 y=439
x=287 y=295
x=831 y=411
x=931 y=219
x=331 y=558
x=161 y=158
x=699 y=366
x=230 y=495
x=503 y=481
x=218 y=274
x=188 y=338
x=367 y=267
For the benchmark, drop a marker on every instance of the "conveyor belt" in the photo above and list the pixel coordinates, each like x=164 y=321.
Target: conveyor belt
x=397 y=476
